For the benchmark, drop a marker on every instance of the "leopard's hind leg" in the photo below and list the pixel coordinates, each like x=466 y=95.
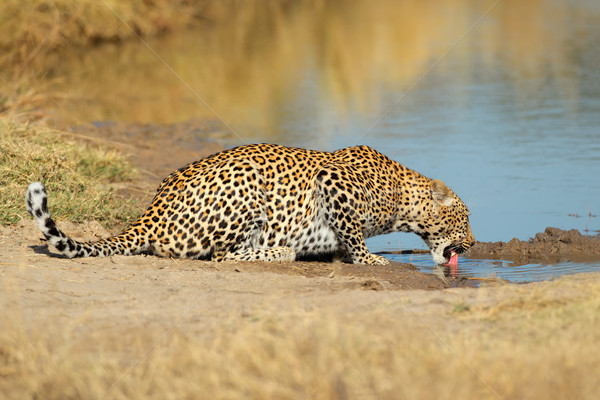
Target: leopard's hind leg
x=235 y=235
x=283 y=253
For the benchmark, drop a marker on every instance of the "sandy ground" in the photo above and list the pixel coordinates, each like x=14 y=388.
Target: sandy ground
x=119 y=291
x=151 y=290
x=114 y=327
x=56 y=312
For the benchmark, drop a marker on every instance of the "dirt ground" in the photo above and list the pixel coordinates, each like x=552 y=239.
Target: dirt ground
x=124 y=283
x=144 y=304
x=144 y=313
x=49 y=279
x=133 y=291
x=157 y=150
x=127 y=293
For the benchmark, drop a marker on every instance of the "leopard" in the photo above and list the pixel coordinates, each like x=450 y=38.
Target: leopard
x=273 y=203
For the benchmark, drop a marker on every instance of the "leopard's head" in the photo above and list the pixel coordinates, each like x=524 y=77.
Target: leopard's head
x=446 y=228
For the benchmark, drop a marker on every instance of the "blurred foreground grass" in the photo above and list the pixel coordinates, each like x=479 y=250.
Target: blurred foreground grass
x=529 y=342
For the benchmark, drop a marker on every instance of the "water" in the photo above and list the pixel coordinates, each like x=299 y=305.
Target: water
x=505 y=109
x=502 y=269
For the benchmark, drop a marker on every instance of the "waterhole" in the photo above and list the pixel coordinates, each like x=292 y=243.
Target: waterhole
x=484 y=269
x=500 y=100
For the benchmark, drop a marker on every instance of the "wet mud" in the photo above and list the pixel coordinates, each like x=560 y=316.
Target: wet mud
x=551 y=246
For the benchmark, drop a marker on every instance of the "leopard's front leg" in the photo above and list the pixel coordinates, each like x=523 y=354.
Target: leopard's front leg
x=345 y=207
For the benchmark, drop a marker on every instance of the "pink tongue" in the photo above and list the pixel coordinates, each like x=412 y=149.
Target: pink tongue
x=453 y=259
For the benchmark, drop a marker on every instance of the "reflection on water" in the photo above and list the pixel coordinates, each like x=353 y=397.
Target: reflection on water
x=505 y=109
x=498 y=269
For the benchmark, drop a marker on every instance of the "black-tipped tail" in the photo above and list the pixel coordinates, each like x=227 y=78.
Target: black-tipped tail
x=37 y=205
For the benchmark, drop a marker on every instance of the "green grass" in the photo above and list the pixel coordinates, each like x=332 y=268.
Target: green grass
x=32 y=36
x=76 y=176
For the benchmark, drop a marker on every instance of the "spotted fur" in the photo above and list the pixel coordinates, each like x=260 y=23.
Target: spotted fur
x=275 y=203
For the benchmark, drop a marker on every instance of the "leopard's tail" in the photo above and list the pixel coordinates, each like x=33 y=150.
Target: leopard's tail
x=37 y=205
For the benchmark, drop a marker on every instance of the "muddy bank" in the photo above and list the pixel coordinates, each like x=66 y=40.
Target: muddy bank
x=551 y=246
x=24 y=245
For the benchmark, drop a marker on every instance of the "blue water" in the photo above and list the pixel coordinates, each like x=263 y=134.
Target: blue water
x=521 y=148
x=523 y=152
x=504 y=109
x=517 y=139
x=498 y=269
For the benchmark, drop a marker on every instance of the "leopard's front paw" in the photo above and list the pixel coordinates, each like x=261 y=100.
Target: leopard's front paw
x=374 y=259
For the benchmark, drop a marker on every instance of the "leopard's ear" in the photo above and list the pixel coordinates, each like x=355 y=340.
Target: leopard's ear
x=441 y=193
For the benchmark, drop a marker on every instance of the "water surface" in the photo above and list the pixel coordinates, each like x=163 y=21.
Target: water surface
x=502 y=269
x=500 y=100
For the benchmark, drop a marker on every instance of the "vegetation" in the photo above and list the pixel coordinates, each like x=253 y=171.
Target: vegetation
x=516 y=342
x=32 y=36
x=76 y=176
x=31 y=33
x=38 y=27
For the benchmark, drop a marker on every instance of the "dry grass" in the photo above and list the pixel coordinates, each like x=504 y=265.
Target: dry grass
x=39 y=27
x=533 y=348
x=35 y=32
x=76 y=175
